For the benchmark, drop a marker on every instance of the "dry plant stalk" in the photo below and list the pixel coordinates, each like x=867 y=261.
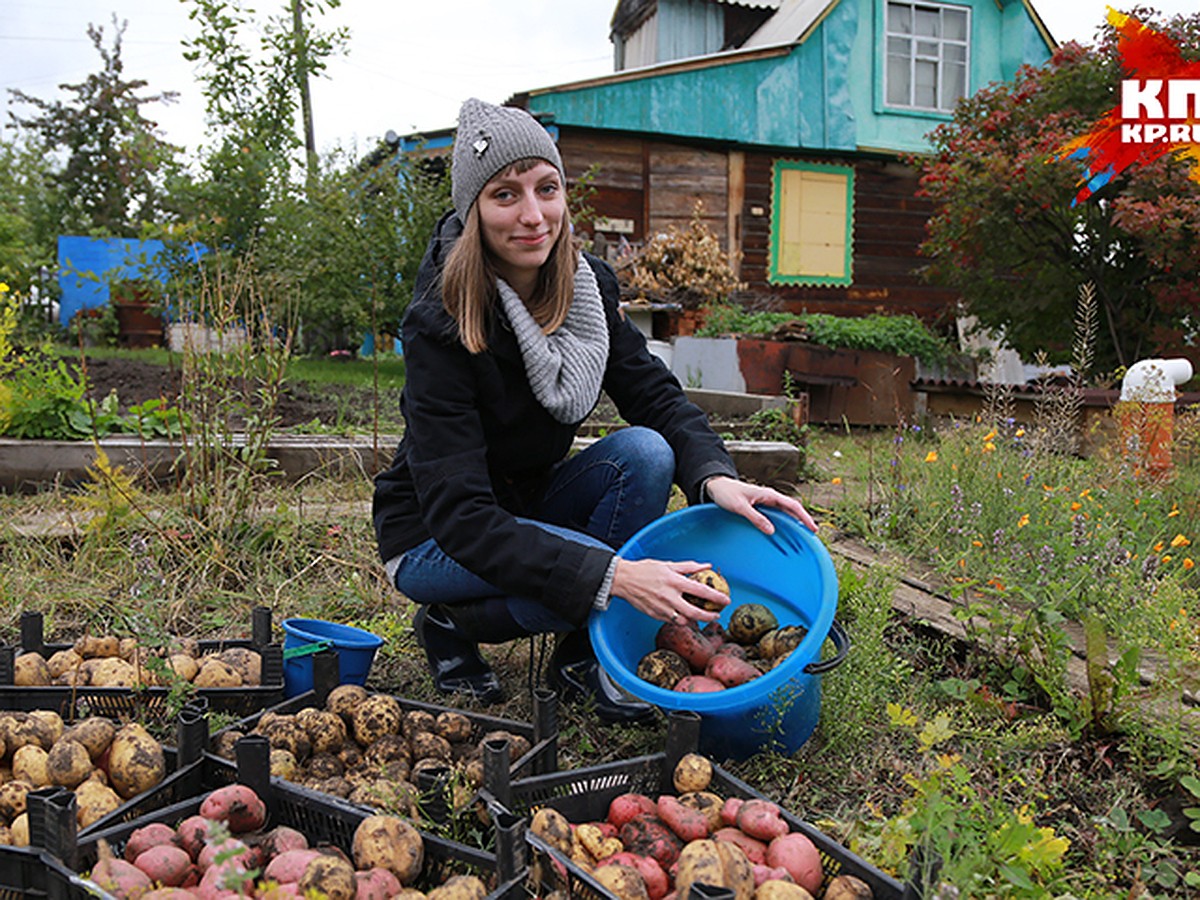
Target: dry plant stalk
x=684 y=265
x=1058 y=408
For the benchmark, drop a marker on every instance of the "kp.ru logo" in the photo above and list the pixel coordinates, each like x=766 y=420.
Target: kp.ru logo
x=1159 y=111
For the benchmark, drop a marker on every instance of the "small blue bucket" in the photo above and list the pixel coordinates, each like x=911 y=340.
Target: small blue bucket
x=790 y=572
x=303 y=637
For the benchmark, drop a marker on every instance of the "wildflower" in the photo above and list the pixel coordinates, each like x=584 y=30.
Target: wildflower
x=1023 y=521
x=1158 y=548
x=976 y=543
x=931 y=456
x=1020 y=432
x=4 y=288
x=1075 y=506
x=1188 y=565
x=1179 y=541
x=837 y=454
x=835 y=481
x=1174 y=511
x=1085 y=493
x=989 y=447
x=990 y=436
x=1166 y=559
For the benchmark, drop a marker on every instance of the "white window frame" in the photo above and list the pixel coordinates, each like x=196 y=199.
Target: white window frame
x=926 y=49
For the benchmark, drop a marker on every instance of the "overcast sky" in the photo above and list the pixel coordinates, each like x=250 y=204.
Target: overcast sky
x=409 y=66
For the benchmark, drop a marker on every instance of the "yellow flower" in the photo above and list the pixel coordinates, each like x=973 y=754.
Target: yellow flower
x=1166 y=559
x=4 y=288
x=1020 y=432
x=1023 y=521
x=1179 y=541
x=991 y=435
x=977 y=543
x=931 y=456
x=1174 y=511
x=1085 y=493
x=1158 y=547
x=989 y=447
x=1188 y=565
x=835 y=481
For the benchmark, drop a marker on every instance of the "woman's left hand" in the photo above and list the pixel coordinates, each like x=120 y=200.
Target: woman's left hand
x=741 y=497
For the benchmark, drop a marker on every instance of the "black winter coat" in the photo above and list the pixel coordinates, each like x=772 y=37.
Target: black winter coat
x=478 y=447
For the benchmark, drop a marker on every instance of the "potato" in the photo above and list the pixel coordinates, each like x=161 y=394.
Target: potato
x=376 y=716
x=32 y=728
x=285 y=733
x=12 y=798
x=324 y=765
x=389 y=748
x=284 y=765
x=779 y=642
x=459 y=887
x=184 y=666
x=777 y=889
x=749 y=622
x=245 y=661
x=62 y=661
x=518 y=745
x=553 y=828
x=454 y=726
x=718 y=863
x=344 y=698
x=712 y=579
x=136 y=762
x=731 y=671
x=847 y=887
x=330 y=877
x=216 y=673
x=796 y=853
x=693 y=772
x=664 y=668
x=707 y=803
x=388 y=795
x=325 y=730
x=427 y=745
x=53 y=722
x=95 y=733
x=29 y=765
x=685 y=639
x=622 y=881
x=19 y=830
x=389 y=843
x=91 y=647
x=30 y=670
x=114 y=672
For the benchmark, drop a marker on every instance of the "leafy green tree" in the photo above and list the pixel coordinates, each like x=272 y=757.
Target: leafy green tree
x=26 y=232
x=1006 y=235
x=109 y=160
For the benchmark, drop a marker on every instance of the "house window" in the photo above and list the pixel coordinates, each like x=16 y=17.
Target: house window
x=927 y=55
x=811 y=224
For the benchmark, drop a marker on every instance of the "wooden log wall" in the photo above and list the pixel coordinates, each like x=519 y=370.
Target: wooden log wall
x=655 y=184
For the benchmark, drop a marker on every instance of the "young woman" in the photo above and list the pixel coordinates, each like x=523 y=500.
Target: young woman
x=484 y=519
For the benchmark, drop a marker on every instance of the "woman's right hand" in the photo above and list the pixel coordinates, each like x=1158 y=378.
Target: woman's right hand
x=656 y=588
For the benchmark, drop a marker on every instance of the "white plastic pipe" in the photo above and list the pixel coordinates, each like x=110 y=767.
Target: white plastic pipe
x=1154 y=380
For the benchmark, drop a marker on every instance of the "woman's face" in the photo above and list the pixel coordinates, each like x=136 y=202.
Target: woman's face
x=521 y=216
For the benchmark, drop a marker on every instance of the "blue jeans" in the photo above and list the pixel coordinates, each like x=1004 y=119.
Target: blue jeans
x=600 y=496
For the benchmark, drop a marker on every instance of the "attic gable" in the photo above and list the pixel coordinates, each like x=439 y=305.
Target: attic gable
x=648 y=32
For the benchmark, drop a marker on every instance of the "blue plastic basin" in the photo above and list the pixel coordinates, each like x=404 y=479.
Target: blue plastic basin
x=355 y=647
x=789 y=572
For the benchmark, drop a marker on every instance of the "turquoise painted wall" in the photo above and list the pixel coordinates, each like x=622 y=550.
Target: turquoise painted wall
x=826 y=94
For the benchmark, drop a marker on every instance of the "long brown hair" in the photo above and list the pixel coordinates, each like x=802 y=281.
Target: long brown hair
x=469 y=278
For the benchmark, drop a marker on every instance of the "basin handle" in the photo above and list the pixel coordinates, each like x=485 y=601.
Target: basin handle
x=841 y=644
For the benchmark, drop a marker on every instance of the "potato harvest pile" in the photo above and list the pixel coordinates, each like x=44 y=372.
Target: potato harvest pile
x=222 y=851
x=104 y=764
x=109 y=661
x=692 y=660
x=649 y=849
x=366 y=748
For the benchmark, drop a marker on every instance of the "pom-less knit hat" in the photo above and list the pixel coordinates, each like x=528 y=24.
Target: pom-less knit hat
x=489 y=140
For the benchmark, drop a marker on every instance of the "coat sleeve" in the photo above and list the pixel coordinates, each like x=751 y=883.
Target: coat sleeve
x=448 y=460
x=646 y=393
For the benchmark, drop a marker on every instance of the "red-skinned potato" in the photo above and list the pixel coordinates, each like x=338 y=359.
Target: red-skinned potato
x=193 y=832
x=142 y=839
x=647 y=835
x=764 y=873
x=685 y=639
x=730 y=671
x=628 y=806
x=698 y=684
x=729 y=811
x=800 y=857
x=689 y=824
x=376 y=884
x=166 y=864
x=755 y=850
x=289 y=866
x=658 y=883
x=236 y=805
x=761 y=819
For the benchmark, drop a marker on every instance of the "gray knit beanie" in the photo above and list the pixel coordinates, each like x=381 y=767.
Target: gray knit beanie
x=489 y=140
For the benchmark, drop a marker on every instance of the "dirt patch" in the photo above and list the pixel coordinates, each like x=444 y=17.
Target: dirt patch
x=300 y=403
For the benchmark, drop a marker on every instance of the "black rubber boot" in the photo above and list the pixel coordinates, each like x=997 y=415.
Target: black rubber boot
x=454 y=659
x=577 y=675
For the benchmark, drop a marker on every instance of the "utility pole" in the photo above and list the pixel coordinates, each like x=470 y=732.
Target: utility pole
x=301 y=38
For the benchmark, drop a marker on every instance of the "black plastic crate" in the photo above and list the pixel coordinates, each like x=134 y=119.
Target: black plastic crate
x=322 y=819
x=584 y=795
x=25 y=872
x=144 y=704
x=542 y=733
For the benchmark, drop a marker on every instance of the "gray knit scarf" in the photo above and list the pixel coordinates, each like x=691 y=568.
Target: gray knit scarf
x=565 y=367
